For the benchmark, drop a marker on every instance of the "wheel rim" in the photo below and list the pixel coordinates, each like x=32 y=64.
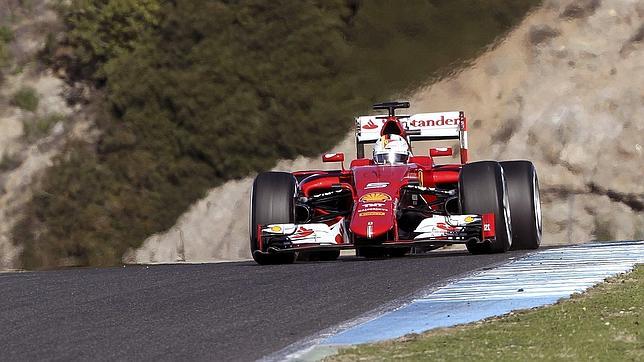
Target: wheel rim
x=506 y=214
x=537 y=208
x=250 y=219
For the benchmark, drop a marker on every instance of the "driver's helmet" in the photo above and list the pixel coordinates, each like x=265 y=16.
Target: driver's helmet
x=391 y=149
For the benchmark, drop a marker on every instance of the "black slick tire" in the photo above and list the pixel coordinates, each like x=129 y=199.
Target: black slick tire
x=523 y=194
x=272 y=202
x=482 y=189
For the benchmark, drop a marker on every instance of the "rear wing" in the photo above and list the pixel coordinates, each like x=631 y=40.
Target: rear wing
x=418 y=127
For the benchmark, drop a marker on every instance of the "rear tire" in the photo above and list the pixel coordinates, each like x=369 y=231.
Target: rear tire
x=482 y=189
x=523 y=193
x=272 y=202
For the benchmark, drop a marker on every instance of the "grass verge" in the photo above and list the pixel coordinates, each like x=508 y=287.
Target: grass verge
x=605 y=323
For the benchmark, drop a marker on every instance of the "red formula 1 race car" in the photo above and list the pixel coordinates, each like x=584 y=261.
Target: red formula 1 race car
x=394 y=201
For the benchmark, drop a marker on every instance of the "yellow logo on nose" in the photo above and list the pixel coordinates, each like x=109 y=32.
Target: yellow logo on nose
x=375 y=197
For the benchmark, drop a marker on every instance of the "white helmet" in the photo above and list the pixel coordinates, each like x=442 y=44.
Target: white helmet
x=392 y=149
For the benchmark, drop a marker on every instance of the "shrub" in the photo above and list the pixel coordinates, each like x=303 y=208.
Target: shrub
x=603 y=229
x=9 y=161
x=26 y=98
x=6 y=36
x=100 y=30
x=38 y=127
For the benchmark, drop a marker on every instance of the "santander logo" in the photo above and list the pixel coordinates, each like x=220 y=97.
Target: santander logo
x=434 y=122
x=370 y=125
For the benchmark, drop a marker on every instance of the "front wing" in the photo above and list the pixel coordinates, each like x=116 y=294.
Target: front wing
x=435 y=230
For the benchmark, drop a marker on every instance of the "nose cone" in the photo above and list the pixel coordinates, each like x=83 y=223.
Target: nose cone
x=372 y=220
x=377 y=188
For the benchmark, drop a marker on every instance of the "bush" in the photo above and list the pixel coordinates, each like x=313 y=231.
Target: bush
x=100 y=30
x=6 y=36
x=9 y=162
x=38 y=127
x=26 y=98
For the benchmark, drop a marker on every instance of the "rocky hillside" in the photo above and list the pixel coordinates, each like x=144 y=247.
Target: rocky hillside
x=563 y=89
x=36 y=120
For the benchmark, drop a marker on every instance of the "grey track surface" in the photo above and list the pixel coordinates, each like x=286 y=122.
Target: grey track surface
x=228 y=311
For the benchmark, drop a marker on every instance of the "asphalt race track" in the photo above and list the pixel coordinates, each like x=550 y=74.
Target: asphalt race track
x=227 y=311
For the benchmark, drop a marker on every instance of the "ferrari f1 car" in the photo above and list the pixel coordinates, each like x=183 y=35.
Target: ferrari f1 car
x=396 y=201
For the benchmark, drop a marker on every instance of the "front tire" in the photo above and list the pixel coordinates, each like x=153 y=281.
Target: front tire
x=272 y=202
x=482 y=189
x=523 y=193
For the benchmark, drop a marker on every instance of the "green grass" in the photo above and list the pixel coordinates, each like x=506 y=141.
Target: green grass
x=26 y=98
x=605 y=324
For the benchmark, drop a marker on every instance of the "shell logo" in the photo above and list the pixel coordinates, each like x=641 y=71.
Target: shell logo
x=375 y=197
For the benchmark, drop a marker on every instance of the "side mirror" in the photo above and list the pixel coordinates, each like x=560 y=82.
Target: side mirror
x=440 y=151
x=333 y=157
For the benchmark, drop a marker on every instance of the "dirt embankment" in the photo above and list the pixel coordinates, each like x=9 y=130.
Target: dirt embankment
x=563 y=89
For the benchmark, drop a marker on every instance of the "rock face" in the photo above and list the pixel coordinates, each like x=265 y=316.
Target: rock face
x=564 y=90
